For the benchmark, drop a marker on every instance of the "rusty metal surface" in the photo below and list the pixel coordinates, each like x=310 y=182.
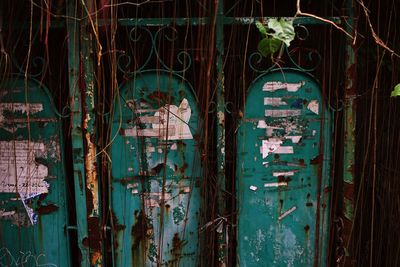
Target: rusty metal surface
x=156 y=169
x=283 y=177
x=33 y=210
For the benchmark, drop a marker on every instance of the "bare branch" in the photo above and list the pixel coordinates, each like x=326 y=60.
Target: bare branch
x=299 y=13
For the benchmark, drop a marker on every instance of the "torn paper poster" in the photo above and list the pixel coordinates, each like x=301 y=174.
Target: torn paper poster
x=313 y=106
x=19 y=171
x=279 y=113
x=30 y=108
x=273 y=145
x=291 y=87
x=169 y=122
x=283 y=173
x=274 y=101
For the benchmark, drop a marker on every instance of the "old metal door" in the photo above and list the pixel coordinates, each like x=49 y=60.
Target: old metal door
x=155 y=172
x=283 y=172
x=33 y=212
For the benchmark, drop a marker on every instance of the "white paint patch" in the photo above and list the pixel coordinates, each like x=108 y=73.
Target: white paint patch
x=290 y=87
x=253 y=187
x=314 y=132
x=280 y=113
x=169 y=122
x=295 y=138
x=277 y=184
x=286 y=213
x=287 y=173
x=313 y=106
x=221 y=117
x=150 y=149
x=19 y=172
x=274 y=101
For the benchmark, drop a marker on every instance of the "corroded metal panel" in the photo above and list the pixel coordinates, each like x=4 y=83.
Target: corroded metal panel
x=156 y=169
x=33 y=211
x=283 y=172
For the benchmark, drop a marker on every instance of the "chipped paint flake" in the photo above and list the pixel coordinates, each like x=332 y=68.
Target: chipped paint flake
x=253 y=187
x=286 y=213
x=274 y=101
x=313 y=106
x=276 y=184
x=290 y=87
x=280 y=113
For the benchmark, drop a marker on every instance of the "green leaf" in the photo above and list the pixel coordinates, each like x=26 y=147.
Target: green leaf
x=268 y=46
x=261 y=28
x=283 y=30
x=396 y=91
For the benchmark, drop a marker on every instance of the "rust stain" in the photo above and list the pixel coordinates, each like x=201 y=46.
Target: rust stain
x=348 y=190
x=162 y=97
x=46 y=209
x=141 y=232
x=176 y=251
x=90 y=169
x=94 y=232
x=317 y=160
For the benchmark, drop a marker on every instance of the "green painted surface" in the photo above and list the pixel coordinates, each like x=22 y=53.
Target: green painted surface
x=33 y=211
x=155 y=189
x=283 y=173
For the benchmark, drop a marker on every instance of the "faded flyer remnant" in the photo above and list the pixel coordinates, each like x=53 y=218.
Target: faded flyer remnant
x=19 y=171
x=169 y=122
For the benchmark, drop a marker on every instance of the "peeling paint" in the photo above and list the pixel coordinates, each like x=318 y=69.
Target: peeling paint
x=290 y=87
x=221 y=117
x=90 y=169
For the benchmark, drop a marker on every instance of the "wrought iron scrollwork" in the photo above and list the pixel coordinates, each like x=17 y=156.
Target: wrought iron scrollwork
x=297 y=57
x=162 y=35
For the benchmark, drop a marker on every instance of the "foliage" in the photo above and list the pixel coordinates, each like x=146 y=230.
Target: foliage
x=396 y=91
x=276 y=33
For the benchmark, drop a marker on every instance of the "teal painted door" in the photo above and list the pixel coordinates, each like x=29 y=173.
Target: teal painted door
x=155 y=172
x=283 y=172
x=33 y=211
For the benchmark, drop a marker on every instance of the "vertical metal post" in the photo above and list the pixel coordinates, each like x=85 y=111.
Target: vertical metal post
x=222 y=231
x=349 y=132
x=75 y=98
x=87 y=56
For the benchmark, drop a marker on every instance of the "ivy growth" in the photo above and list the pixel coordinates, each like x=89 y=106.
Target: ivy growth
x=276 y=33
